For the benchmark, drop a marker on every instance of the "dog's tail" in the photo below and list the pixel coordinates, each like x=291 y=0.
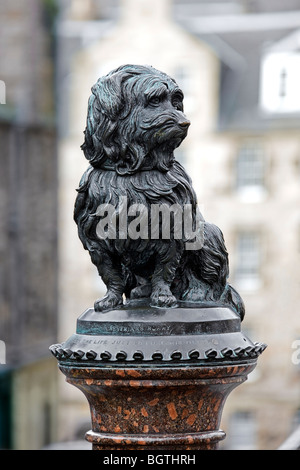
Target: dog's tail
x=212 y=261
x=211 y=266
x=231 y=297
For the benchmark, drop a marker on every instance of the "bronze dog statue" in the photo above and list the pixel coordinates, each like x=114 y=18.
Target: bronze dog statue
x=135 y=122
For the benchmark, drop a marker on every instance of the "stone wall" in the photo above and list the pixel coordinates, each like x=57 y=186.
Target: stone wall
x=28 y=227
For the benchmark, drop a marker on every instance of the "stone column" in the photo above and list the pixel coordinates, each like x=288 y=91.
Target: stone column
x=159 y=384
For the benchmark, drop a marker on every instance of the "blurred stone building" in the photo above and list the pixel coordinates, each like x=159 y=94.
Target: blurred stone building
x=238 y=65
x=28 y=221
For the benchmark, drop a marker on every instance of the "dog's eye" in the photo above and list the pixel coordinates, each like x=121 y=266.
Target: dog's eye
x=154 y=101
x=177 y=103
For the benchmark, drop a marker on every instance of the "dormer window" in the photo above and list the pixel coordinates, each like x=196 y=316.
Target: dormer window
x=280 y=78
x=282 y=91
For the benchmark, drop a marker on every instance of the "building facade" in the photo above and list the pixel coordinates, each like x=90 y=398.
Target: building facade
x=243 y=153
x=28 y=222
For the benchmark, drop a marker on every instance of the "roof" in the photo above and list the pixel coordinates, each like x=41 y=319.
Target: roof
x=240 y=41
x=239 y=32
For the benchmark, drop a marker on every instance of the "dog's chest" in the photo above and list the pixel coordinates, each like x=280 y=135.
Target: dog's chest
x=145 y=187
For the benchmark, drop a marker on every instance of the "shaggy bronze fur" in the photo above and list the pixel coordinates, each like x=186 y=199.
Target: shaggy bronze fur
x=135 y=122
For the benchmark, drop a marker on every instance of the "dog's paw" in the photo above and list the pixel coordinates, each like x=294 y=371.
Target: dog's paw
x=141 y=292
x=163 y=298
x=109 y=302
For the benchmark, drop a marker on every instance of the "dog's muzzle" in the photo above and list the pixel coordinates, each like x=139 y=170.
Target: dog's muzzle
x=184 y=125
x=166 y=120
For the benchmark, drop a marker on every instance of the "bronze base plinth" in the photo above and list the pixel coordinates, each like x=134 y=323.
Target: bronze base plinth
x=160 y=408
x=157 y=379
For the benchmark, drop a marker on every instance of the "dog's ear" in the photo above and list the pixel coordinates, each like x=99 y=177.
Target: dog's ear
x=104 y=108
x=108 y=91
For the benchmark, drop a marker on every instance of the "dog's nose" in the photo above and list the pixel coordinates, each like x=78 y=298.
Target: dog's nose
x=184 y=124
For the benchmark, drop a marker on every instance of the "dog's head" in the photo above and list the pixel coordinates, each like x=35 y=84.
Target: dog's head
x=135 y=120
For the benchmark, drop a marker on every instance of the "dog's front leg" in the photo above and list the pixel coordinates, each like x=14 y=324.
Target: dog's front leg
x=167 y=262
x=111 y=274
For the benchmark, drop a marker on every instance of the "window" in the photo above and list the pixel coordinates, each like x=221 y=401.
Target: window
x=280 y=77
x=250 y=171
x=248 y=261
x=242 y=432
